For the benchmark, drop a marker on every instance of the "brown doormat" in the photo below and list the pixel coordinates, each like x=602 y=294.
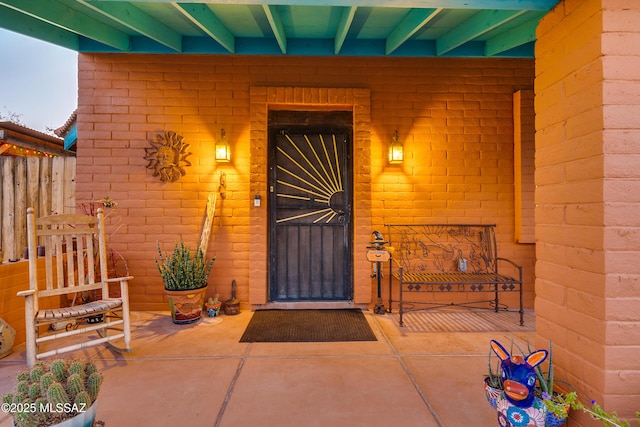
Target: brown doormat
x=308 y=326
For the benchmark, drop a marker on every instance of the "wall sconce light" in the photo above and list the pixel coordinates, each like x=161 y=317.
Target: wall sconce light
x=396 y=151
x=223 y=150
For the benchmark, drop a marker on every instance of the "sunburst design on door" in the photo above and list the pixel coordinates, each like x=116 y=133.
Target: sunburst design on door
x=313 y=178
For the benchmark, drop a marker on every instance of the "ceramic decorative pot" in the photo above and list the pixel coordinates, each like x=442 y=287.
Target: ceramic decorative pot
x=492 y=393
x=550 y=419
x=213 y=310
x=7 y=337
x=186 y=306
x=553 y=420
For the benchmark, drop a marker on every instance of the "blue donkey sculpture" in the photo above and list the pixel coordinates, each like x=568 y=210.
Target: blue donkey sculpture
x=517 y=405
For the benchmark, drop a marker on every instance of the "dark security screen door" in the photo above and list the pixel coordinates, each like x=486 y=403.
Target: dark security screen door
x=310 y=214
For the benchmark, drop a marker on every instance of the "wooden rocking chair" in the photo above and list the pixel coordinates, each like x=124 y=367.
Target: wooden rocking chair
x=75 y=264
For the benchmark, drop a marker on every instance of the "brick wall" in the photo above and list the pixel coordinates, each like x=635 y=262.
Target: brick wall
x=587 y=86
x=524 y=135
x=454 y=117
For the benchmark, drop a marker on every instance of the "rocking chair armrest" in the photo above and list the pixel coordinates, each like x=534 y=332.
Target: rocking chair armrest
x=27 y=293
x=119 y=279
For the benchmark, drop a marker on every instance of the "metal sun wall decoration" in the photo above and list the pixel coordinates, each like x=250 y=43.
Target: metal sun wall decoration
x=167 y=156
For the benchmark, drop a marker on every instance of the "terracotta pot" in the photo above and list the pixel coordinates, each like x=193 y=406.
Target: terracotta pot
x=186 y=306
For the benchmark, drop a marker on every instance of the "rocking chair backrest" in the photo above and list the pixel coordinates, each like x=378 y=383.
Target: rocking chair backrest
x=75 y=253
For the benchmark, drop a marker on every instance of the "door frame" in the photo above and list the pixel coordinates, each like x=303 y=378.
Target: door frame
x=365 y=142
x=314 y=124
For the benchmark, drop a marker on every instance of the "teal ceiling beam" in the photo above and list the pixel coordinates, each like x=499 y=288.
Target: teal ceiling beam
x=412 y=22
x=276 y=26
x=431 y=4
x=62 y=16
x=71 y=137
x=20 y=23
x=136 y=20
x=343 y=27
x=517 y=36
x=308 y=47
x=208 y=22
x=479 y=24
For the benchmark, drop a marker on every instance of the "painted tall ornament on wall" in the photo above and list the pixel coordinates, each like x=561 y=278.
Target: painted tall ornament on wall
x=517 y=405
x=167 y=156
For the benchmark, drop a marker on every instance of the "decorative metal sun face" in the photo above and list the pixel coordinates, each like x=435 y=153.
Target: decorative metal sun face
x=167 y=156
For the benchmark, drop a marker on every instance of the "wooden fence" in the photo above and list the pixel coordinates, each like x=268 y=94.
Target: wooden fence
x=46 y=184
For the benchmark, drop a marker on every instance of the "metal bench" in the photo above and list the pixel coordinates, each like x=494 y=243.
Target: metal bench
x=445 y=259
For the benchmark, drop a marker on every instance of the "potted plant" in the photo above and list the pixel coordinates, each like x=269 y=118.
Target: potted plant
x=185 y=273
x=62 y=393
x=548 y=404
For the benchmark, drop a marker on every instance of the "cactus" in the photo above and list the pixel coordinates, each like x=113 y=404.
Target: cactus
x=25 y=419
x=56 y=395
x=36 y=372
x=59 y=369
x=90 y=368
x=75 y=383
x=45 y=381
x=49 y=385
x=24 y=376
x=82 y=400
x=34 y=391
x=77 y=367
x=93 y=385
x=23 y=387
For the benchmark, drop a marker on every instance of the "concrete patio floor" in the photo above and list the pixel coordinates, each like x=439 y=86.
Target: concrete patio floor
x=201 y=375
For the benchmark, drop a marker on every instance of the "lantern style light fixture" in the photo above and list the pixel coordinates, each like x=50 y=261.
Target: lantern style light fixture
x=223 y=150
x=396 y=151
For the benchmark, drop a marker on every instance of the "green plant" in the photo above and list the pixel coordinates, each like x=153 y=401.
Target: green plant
x=558 y=405
x=50 y=393
x=183 y=269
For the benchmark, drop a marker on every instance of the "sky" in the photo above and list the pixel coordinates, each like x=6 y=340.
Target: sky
x=38 y=81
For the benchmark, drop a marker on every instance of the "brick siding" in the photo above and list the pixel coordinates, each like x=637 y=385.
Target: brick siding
x=454 y=117
x=587 y=219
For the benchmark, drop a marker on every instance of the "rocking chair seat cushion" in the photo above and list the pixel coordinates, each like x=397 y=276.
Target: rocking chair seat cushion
x=81 y=310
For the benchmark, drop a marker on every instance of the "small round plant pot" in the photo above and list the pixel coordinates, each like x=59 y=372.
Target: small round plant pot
x=213 y=310
x=186 y=306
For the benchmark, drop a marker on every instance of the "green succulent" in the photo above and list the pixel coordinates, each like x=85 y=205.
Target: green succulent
x=183 y=269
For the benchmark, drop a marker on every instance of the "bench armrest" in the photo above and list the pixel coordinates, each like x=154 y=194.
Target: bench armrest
x=26 y=293
x=509 y=261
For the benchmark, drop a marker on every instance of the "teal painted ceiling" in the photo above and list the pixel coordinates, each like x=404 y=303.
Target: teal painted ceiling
x=448 y=28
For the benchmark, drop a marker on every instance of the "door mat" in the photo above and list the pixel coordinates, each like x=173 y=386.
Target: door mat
x=308 y=326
